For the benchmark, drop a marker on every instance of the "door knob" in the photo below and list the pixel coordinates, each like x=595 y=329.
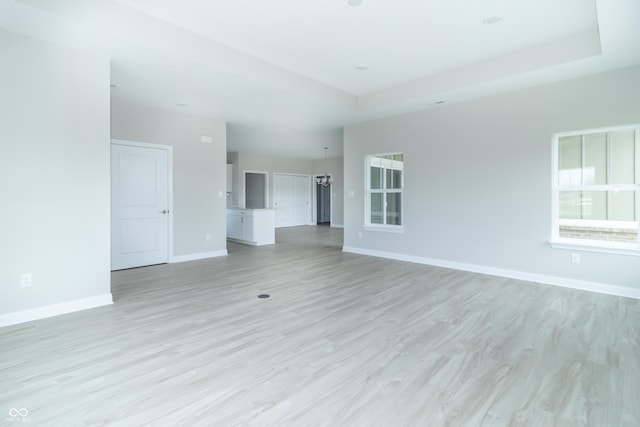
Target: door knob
x=164 y=211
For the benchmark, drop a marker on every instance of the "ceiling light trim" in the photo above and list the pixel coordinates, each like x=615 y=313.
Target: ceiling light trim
x=572 y=48
x=489 y=20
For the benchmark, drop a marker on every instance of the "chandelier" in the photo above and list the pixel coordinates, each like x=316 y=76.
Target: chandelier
x=326 y=179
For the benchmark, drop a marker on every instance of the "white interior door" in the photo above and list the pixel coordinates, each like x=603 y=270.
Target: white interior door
x=282 y=203
x=302 y=200
x=139 y=206
x=292 y=200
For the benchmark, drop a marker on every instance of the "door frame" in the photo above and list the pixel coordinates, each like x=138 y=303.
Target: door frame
x=169 y=150
x=314 y=198
x=266 y=187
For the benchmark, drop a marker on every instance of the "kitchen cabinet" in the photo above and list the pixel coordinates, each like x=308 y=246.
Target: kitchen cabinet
x=251 y=226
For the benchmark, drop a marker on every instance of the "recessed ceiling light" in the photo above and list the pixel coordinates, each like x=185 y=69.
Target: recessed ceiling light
x=354 y=3
x=437 y=102
x=181 y=104
x=492 y=19
x=362 y=67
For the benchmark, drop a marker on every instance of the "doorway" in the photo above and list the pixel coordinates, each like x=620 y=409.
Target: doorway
x=255 y=190
x=323 y=204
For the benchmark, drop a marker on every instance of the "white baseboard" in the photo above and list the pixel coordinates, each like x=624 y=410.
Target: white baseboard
x=201 y=255
x=54 y=310
x=337 y=225
x=602 y=288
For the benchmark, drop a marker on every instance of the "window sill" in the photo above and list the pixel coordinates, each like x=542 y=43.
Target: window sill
x=398 y=229
x=591 y=246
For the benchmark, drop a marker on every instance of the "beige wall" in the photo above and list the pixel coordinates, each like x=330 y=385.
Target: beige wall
x=199 y=171
x=54 y=178
x=478 y=180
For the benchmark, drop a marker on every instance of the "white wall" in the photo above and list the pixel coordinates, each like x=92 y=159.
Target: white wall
x=478 y=180
x=54 y=180
x=199 y=172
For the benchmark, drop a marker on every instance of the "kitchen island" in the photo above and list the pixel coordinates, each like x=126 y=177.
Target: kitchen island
x=251 y=226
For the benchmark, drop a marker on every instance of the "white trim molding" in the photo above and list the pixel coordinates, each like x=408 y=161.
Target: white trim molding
x=201 y=255
x=398 y=229
x=602 y=288
x=336 y=225
x=55 y=310
x=579 y=245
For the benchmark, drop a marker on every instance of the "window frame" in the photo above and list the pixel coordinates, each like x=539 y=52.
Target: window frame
x=606 y=246
x=368 y=225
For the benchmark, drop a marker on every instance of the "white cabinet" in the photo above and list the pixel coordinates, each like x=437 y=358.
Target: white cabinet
x=235 y=226
x=251 y=226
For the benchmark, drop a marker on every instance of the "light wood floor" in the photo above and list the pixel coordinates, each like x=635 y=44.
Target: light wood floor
x=344 y=340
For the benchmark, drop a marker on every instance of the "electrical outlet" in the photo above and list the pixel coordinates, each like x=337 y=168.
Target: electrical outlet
x=208 y=237
x=360 y=234
x=25 y=280
x=575 y=258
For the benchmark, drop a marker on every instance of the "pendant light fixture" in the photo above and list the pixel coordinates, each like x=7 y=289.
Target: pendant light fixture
x=326 y=179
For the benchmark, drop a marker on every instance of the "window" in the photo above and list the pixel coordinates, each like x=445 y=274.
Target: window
x=384 y=180
x=596 y=189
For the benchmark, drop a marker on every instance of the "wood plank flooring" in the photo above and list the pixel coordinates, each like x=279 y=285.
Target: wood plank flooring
x=344 y=340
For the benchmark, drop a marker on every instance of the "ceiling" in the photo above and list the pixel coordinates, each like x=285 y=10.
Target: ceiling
x=283 y=73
